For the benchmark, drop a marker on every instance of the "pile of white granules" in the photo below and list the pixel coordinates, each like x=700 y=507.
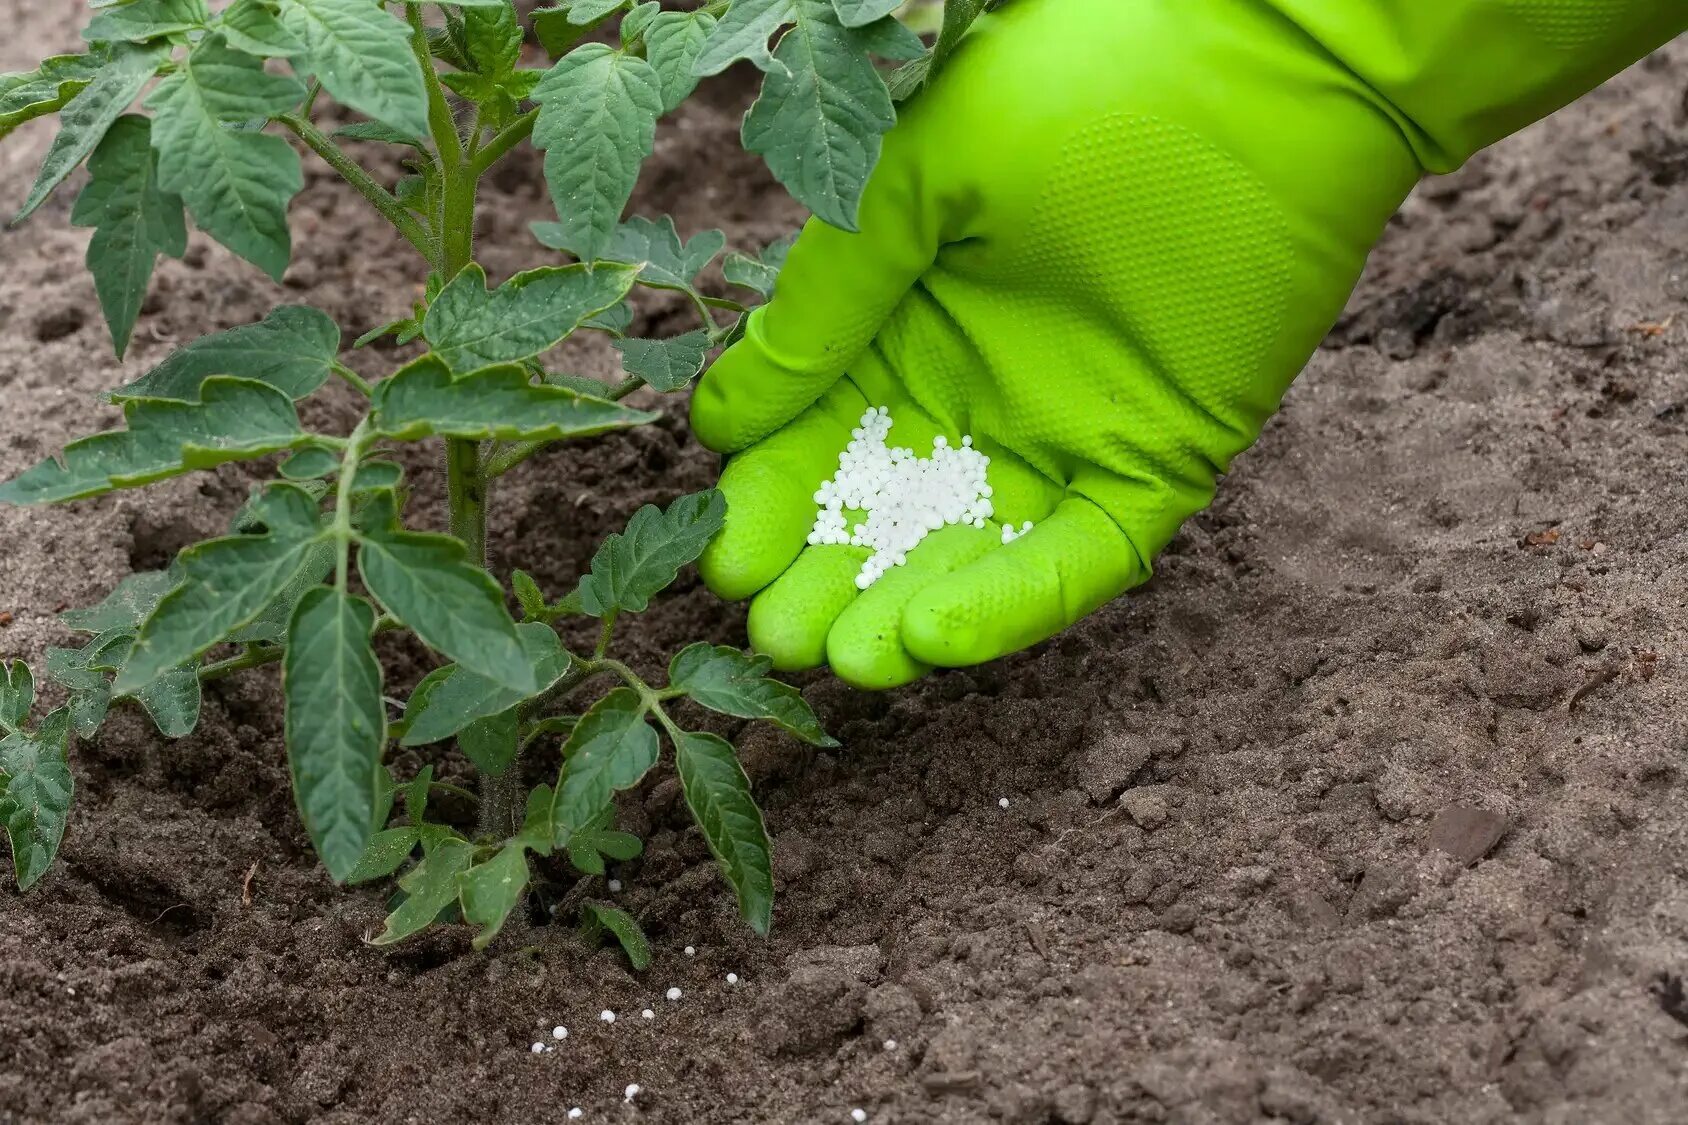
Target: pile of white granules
x=905 y=497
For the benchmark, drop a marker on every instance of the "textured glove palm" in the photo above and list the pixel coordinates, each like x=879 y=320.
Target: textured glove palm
x=1102 y=242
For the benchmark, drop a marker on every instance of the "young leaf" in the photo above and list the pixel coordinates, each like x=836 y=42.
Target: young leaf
x=634 y=23
x=254 y=27
x=597 y=122
x=667 y=365
x=472 y=328
x=17 y=695
x=743 y=33
x=133 y=220
x=860 y=13
x=491 y=890
x=500 y=402
x=718 y=792
x=673 y=42
x=142 y=20
x=26 y=95
x=236 y=420
x=491 y=743
x=292 y=350
x=585 y=12
x=236 y=181
x=492 y=38
x=225 y=584
x=336 y=724
x=726 y=680
x=610 y=749
x=588 y=844
x=362 y=56
x=90 y=693
x=759 y=273
x=429 y=887
x=130 y=602
x=428 y=582
x=556 y=33
x=387 y=851
x=632 y=565
x=460 y=697
x=310 y=464
x=172 y=700
x=84 y=120
x=528 y=595
x=821 y=117
x=35 y=793
x=626 y=930
x=667 y=263
x=959 y=15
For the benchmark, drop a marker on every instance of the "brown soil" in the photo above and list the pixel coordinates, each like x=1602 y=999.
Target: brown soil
x=1242 y=874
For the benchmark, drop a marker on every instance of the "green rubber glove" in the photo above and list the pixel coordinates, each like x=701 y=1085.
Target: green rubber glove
x=1103 y=241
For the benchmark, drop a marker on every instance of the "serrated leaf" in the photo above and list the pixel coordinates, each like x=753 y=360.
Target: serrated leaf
x=743 y=33
x=615 y=320
x=724 y=679
x=86 y=117
x=501 y=402
x=429 y=887
x=492 y=37
x=17 y=695
x=379 y=132
x=133 y=220
x=584 y=12
x=172 y=700
x=236 y=420
x=386 y=853
x=35 y=794
x=292 y=350
x=889 y=39
x=820 y=122
x=26 y=95
x=471 y=328
x=270 y=626
x=556 y=33
x=631 y=566
x=225 y=584
x=460 y=697
x=130 y=602
x=667 y=365
x=336 y=724
x=255 y=27
x=89 y=691
x=718 y=792
x=860 y=13
x=597 y=123
x=588 y=845
x=142 y=20
x=611 y=748
x=654 y=245
x=491 y=890
x=236 y=181
x=673 y=43
x=528 y=595
x=759 y=273
x=627 y=932
x=428 y=582
x=362 y=56
x=310 y=464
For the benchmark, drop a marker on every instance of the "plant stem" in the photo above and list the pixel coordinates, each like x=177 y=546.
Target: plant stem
x=508 y=459
x=502 y=804
x=466 y=494
x=382 y=200
x=495 y=149
x=446 y=140
x=251 y=658
x=353 y=378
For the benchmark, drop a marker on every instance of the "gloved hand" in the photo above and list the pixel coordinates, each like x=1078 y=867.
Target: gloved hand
x=1103 y=241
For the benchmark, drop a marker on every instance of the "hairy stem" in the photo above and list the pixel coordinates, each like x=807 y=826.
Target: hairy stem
x=495 y=149
x=502 y=804
x=446 y=140
x=466 y=495
x=382 y=200
x=353 y=378
x=507 y=459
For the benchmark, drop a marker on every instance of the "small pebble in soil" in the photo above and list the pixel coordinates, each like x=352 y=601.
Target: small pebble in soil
x=537 y=1048
x=559 y=1032
x=691 y=951
x=732 y=978
x=631 y=1092
x=1002 y=802
x=647 y=1014
x=607 y=1016
x=890 y=1044
x=576 y=1113
x=615 y=886
x=858 y=1115
x=674 y=994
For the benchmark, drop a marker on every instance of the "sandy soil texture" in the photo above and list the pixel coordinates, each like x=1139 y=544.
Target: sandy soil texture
x=1369 y=808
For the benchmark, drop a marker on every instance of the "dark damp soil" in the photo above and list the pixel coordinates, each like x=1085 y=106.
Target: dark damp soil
x=1369 y=808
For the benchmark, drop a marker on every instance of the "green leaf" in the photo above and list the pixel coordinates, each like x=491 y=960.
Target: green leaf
x=528 y=595
x=491 y=743
x=172 y=700
x=630 y=566
x=270 y=626
x=236 y=181
x=26 y=95
x=142 y=20
x=719 y=794
x=225 y=584
x=626 y=930
x=820 y=121
x=673 y=42
x=379 y=133
x=611 y=748
x=292 y=350
x=310 y=464
x=759 y=273
x=889 y=39
x=585 y=12
x=428 y=582
x=386 y=853
x=597 y=122
x=959 y=16
x=634 y=23
x=133 y=223
x=35 y=793
x=254 y=27
x=236 y=420
x=460 y=697
x=84 y=120
x=860 y=13
x=500 y=402
x=588 y=844
x=726 y=680
x=416 y=795
x=654 y=245
x=336 y=724
x=556 y=33
x=472 y=328
x=491 y=890
x=492 y=38
x=667 y=365
x=130 y=602
x=362 y=56
x=17 y=695
x=429 y=887
x=743 y=33
x=89 y=691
